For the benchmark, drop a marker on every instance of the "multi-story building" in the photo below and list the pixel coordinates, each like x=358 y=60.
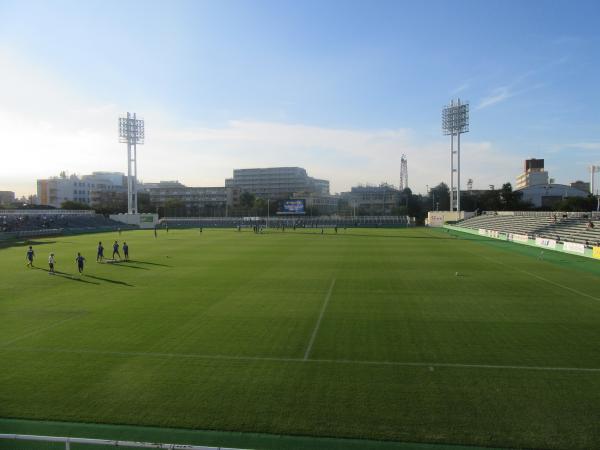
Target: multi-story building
x=533 y=174
x=548 y=195
x=318 y=204
x=581 y=185
x=373 y=200
x=87 y=189
x=192 y=200
x=7 y=197
x=276 y=182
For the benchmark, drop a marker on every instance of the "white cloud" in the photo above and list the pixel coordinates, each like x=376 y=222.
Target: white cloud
x=46 y=127
x=463 y=87
x=497 y=95
x=587 y=145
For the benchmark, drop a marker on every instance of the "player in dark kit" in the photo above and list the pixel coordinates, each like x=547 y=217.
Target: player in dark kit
x=29 y=256
x=79 y=260
x=100 y=254
x=116 y=250
x=126 y=251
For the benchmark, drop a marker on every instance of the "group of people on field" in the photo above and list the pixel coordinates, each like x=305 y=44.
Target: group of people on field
x=80 y=260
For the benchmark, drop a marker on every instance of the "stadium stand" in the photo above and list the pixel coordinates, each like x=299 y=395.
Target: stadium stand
x=583 y=228
x=25 y=223
x=277 y=222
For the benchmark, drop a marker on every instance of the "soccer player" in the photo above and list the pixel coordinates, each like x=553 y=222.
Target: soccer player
x=126 y=251
x=167 y=227
x=119 y=230
x=155 y=235
x=29 y=256
x=79 y=260
x=51 y=261
x=100 y=254
x=116 y=250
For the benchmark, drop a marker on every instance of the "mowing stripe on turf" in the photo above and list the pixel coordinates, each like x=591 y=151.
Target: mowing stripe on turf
x=40 y=330
x=302 y=360
x=315 y=331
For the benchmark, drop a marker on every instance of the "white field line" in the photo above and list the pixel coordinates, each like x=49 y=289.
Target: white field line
x=316 y=330
x=302 y=360
x=539 y=277
x=39 y=330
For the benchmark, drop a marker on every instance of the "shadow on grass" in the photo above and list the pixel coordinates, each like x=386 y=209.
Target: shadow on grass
x=108 y=280
x=147 y=262
x=343 y=233
x=22 y=243
x=68 y=276
x=124 y=263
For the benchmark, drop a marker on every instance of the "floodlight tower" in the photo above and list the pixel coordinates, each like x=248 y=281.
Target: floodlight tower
x=455 y=121
x=593 y=171
x=403 y=173
x=131 y=132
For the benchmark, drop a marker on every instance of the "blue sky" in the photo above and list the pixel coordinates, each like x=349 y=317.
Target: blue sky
x=341 y=88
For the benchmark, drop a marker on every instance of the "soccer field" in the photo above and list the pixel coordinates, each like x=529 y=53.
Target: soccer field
x=409 y=335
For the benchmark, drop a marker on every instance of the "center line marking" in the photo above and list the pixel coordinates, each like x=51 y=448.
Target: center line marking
x=315 y=331
x=428 y=365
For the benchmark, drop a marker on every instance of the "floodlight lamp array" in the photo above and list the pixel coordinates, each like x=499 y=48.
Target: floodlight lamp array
x=455 y=119
x=131 y=130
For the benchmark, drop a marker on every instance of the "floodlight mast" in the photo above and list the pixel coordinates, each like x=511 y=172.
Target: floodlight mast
x=455 y=121
x=131 y=132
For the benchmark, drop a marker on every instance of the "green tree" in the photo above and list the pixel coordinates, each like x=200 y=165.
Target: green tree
x=69 y=204
x=175 y=208
x=588 y=203
x=261 y=207
x=439 y=196
x=247 y=200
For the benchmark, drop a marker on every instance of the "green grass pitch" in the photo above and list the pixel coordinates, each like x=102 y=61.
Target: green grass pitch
x=364 y=334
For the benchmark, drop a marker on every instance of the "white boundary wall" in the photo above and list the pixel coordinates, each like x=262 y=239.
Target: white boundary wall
x=564 y=247
x=131 y=444
x=145 y=221
x=439 y=218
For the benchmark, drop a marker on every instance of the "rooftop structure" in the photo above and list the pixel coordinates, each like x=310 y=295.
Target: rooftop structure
x=54 y=191
x=533 y=174
x=276 y=182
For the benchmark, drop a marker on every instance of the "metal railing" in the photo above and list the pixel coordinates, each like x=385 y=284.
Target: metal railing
x=46 y=212
x=112 y=443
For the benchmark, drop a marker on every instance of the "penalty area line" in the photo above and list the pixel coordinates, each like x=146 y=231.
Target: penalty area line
x=318 y=324
x=427 y=365
x=539 y=277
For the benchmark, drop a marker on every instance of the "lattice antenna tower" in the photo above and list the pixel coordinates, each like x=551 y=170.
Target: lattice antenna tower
x=403 y=173
x=131 y=132
x=455 y=121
